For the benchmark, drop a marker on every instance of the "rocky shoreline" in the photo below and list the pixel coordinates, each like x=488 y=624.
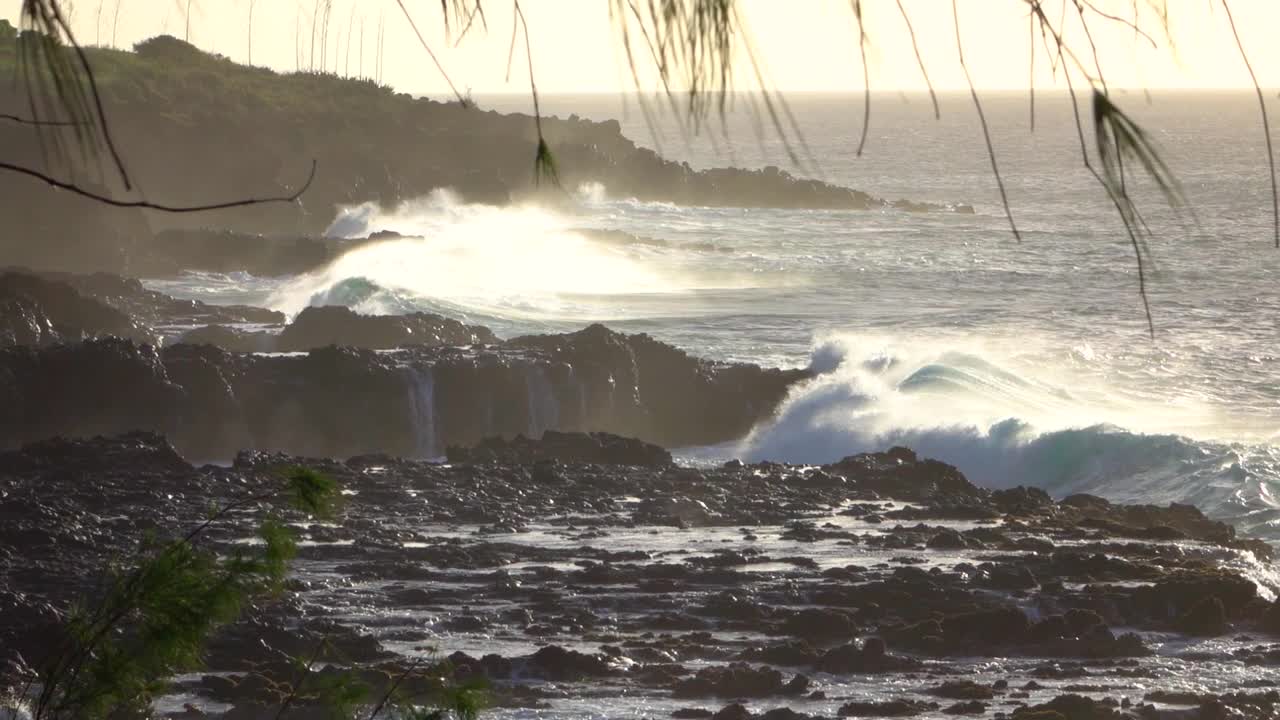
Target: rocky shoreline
x=884 y=585
x=554 y=548
x=336 y=383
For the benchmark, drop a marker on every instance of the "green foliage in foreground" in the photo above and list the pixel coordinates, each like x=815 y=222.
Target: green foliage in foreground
x=153 y=617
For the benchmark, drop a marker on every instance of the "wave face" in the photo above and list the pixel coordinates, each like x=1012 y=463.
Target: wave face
x=1004 y=424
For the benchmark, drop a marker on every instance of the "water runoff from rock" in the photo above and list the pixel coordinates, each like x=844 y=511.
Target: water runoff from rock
x=421 y=385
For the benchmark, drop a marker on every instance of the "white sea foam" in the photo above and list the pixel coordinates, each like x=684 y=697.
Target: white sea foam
x=1004 y=424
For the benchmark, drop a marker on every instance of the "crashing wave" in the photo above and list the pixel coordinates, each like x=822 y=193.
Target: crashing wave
x=1006 y=427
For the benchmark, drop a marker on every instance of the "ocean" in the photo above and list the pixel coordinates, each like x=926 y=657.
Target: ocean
x=1021 y=362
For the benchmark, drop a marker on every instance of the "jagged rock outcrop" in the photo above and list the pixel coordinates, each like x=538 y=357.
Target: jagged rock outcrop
x=316 y=327
x=90 y=388
x=156 y=309
x=661 y=393
x=42 y=308
x=416 y=401
x=36 y=311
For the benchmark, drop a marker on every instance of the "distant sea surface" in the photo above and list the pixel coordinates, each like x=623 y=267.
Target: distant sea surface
x=1021 y=362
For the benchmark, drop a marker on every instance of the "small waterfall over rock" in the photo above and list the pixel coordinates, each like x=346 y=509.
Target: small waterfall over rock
x=579 y=390
x=544 y=406
x=422 y=411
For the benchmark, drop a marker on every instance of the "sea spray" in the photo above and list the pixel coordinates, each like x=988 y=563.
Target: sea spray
x=499 y=260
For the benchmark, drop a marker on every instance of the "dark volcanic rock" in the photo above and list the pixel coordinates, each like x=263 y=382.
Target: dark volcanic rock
x=317 y=327
x=1068 y=707
x=1207 y=617
x=1271 y=618
x=962 y=690
x=339 y=402
x=233 y=339
x=439 y=556
x=92 y=388
x=887 y=708
x=899 y=473
x=697 y=400
x=1175 y=596
x=156 y=309
x=556 y=663
x=35 y=311
x=737 y=680
x=870 y=657
x=596 y=447
x=820 y=626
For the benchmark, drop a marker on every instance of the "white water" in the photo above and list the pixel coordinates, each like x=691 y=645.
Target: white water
x=523 y=263
x=1019 y=362
x=1018 y=423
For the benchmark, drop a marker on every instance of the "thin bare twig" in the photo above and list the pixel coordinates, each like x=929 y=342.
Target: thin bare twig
x=430 y=52
x=1121 y=207
x=41 y=123
x=301 y=677
x=933 y=96
x=395 y=685
x=1266 y=125
x=1031 y=69
x=1137 y=30
x=162 y=207
x=982 y=118
x=866 y=76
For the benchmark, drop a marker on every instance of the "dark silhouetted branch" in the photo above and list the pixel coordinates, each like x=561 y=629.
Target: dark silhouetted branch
x=430 y=52
x=866 y=76
x=982 y=118
x=1031 y=70
x=933 y=96
x=40 y=123
x=162 y=207
x=1266 y=125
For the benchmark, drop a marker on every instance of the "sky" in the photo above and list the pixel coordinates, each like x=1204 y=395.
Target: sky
x=802 y=45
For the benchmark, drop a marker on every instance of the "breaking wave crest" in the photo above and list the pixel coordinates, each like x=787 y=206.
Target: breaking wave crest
x=1005 y=422
x=524 y=262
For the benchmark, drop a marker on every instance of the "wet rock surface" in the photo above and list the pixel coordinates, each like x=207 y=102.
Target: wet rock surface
x=588 y=590
x=317 y=327
x=413 y=402
x=334 y=325
x=37 y=311
x=44 y=308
